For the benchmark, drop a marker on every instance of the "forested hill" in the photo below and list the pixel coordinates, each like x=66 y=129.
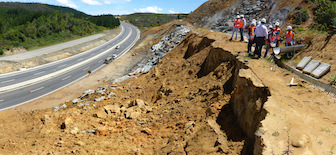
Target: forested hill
x=43 y=8
x=25 y=27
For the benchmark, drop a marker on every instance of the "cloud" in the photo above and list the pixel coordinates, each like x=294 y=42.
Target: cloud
x=68 y=3
x=172 y=11
x=116 y=1
x=107 y=2
x=91 y=2
x=151 y=9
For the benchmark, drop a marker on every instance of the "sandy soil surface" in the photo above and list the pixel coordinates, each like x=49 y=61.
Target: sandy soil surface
x=182 y=106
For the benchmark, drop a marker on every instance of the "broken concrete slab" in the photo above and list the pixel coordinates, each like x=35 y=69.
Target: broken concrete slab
x=321 y=70
x=312 y=65
x=303 y=63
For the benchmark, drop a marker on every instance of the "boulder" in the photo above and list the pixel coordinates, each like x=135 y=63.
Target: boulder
x=87 y=92
x=75 y=101
x=74 y=131
x=112 y=109
x=100 y=114
x=102 y=131
x=100 y=99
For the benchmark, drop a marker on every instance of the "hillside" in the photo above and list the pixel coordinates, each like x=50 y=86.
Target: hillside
x=31 y=25
x=39 y=7
x=151 y=19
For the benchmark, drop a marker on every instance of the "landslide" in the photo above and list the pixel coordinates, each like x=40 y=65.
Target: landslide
x=182 y=106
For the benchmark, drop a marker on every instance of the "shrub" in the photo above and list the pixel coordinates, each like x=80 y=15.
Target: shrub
x=332 y=80
x=325 y=14
x=1 y=51
x=300 y=16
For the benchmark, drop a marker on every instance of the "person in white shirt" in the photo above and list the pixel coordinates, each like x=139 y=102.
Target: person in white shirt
x=261 y=34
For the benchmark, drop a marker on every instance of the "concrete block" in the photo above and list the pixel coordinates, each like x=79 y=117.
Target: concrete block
x=312 y=65
x=303 y=63
x=321 y=70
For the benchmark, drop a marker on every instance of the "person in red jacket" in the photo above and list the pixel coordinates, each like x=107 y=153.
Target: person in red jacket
x=277 y=31
x=290 y=39
x=242 y=25
x=236 y=26
x=272 y=39
x=250 y=37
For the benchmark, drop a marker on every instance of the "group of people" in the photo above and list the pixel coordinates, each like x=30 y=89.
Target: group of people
x=259 y=34
x=239 y=25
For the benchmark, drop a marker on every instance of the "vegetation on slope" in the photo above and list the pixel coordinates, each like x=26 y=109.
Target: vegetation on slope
x=151 y=19
x=105 y=20
x=22 y=26
x=325 y=14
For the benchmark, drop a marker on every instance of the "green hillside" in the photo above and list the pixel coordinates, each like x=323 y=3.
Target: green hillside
x=30 y=25
x=151 y=19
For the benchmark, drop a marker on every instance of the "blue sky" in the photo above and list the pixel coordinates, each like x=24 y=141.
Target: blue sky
x=120 y=7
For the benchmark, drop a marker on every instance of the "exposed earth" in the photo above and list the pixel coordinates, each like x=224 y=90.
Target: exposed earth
x=204 y=97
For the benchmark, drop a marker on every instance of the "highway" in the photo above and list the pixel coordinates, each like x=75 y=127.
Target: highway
x=18 y=88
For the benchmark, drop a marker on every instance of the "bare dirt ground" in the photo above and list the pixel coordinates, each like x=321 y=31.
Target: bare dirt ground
x=179 y=107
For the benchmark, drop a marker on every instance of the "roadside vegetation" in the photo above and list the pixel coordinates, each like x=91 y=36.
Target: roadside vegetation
x=142 y=20
x=325 y=14
x=22 y=27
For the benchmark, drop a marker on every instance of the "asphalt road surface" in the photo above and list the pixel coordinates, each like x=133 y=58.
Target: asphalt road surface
x=21 y=87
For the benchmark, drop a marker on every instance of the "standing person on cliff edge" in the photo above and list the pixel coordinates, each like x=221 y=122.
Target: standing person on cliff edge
x=242 y=26
x=261 y=36
x=250 y=37
x=236 y=25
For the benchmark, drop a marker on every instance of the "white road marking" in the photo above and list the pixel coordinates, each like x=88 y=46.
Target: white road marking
x=66 y=78
x=37 y=89
x=8 y=81
x=39 y=73
x=62 y=66
x=86 y=68
x=1 y=100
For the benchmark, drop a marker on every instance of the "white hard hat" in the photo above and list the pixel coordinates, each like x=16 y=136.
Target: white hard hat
x=277 y=24
x=241 y=16
x=263 y=20
x=253 y=20
x=238 y=16
x=270 y=27
x=289 y=28
x=253 y=23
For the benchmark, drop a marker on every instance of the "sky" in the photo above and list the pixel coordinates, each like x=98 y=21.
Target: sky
x=121 y=7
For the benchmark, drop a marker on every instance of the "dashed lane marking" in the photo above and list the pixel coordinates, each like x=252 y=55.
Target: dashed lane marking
x=66 y=78
x=37 y=89
x=8 y=81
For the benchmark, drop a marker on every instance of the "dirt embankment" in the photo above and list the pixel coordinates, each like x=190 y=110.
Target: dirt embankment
x=321 y=48
x=187 y=104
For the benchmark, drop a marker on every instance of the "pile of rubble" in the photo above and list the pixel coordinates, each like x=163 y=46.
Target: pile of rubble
x=160 y=49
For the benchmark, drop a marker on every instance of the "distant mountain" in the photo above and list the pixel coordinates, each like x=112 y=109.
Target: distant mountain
x=43 y=8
